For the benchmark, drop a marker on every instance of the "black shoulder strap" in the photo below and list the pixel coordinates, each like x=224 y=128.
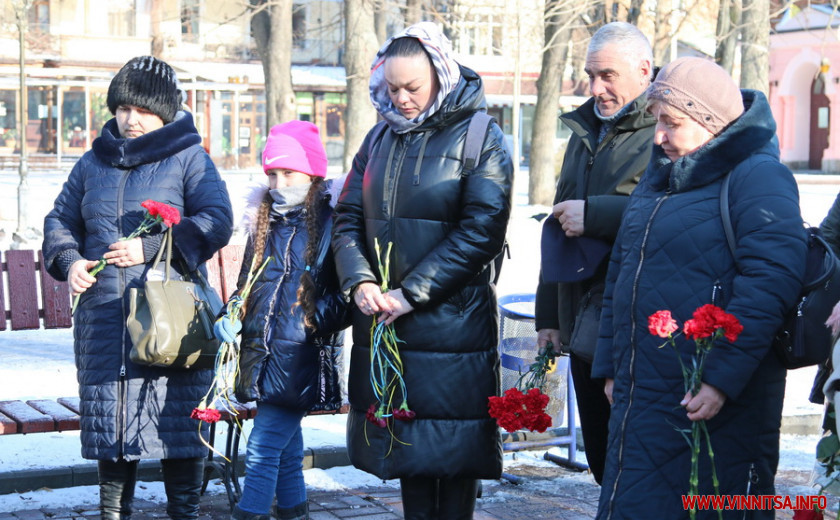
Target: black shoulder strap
x=376 y=134
x=724 y=214
x=474 y=142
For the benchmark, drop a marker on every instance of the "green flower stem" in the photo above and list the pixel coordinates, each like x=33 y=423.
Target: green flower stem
x=694 y=479
x=144 y=227
x=715 y=481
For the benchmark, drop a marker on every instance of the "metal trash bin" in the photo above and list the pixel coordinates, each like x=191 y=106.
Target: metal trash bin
x=518 y=350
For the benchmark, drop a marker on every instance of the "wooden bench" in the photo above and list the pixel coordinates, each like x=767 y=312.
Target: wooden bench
x=35 y=299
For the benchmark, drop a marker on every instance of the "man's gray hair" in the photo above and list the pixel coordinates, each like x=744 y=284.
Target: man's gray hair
x=630 y=41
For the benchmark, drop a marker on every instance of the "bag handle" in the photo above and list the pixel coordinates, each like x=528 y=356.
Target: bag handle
x=166 y=248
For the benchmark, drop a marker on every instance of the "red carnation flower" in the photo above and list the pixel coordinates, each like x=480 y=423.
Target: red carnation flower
x=403 y=413
x=661 y=324
x=208 y=415
x=169 y=215
x=375 y=416
x=808 y=514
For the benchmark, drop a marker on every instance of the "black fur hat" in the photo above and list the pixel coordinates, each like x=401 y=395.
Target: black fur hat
x=149 y=83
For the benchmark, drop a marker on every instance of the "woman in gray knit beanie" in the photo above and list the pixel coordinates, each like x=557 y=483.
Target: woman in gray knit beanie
x=671 y=254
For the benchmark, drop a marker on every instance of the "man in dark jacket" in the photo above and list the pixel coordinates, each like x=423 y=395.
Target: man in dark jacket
x=607 y=153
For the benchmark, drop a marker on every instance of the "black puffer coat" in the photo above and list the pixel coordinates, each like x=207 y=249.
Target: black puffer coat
x=128 y=410
x=671 y=254
x=281 y=361
x=446 y=228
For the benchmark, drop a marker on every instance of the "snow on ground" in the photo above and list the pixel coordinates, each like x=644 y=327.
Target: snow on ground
x=39 y=364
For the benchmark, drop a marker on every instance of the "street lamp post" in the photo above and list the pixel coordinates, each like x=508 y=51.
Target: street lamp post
x=21 y=8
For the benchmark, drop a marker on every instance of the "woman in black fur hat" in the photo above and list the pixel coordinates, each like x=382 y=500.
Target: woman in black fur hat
x=149 y=150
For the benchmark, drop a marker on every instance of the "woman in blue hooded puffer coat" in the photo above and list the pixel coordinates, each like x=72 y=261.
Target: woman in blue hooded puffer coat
x=672 y=254
x=150 y=150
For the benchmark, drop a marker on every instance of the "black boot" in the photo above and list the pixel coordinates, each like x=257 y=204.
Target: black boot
x=239 y=514
x=182 y=479
x=298 y=512
x=456 y=498
x=116 y=488
x=419 y=497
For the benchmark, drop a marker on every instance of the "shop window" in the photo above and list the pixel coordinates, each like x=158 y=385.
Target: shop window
x=335 y=117
x=73 y=131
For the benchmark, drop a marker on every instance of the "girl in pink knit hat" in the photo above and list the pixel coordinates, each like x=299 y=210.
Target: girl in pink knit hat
x=291 y=328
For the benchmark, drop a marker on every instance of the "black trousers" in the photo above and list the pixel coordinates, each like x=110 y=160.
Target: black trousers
x=594 y=411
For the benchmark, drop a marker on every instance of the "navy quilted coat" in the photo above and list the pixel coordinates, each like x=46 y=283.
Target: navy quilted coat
x=128 y=410
x=672 y=254
x=279 y=359
x=446 y=228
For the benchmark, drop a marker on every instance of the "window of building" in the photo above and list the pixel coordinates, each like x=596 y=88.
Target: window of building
x=299 y=26
x=190 y=17
x=39 y=16
x=121 y=20
x=479 y=35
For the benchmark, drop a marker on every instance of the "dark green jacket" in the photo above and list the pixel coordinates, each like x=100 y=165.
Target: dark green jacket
x=611 y=170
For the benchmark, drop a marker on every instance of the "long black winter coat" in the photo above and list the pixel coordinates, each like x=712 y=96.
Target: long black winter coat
x=671 y=254
x=610 y=170
x=280 y=359
x=129 y=410
x=446 y=228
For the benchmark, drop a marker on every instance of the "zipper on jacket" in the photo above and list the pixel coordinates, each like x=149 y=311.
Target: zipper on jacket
x=390 y=193
x=273 y=301
x=717 y=293
x=633 y=349
x=122 y=405
x=752 y=479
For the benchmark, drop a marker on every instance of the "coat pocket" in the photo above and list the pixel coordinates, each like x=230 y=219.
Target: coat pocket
x=587 y=319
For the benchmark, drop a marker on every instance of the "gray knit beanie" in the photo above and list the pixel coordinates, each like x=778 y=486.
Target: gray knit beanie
x=149 y=83
x=701 y=89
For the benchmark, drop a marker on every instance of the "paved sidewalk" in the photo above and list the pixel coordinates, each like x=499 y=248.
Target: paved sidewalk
x=551 y=493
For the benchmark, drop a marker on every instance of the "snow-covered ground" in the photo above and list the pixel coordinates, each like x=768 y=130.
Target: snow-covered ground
x=39 y=364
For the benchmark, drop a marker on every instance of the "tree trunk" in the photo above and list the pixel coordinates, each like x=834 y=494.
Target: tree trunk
x=360 y=45
x=755 y=58
x=729 y=16
x=635 y=11
x=380 y=20
x=662 y=33
x=543 y=171
x=413 y=12
x=155 y=10
x=271 y=26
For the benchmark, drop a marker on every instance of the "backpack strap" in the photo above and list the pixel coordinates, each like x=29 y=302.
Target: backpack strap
x=724 y=214
x=476 y=133
x=473 y=144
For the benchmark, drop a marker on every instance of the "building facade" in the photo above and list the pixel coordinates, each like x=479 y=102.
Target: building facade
x=74 y=47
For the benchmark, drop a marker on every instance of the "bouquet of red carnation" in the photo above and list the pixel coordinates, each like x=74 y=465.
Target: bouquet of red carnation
x=708 y=324
x=156 y=213
x=523 y=406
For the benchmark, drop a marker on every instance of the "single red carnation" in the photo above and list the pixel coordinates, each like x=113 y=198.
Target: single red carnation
x=375 y=417
x=208 y=415
x=404 y=414
x=537 y=422
x=808 y=514
x=661 y=324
